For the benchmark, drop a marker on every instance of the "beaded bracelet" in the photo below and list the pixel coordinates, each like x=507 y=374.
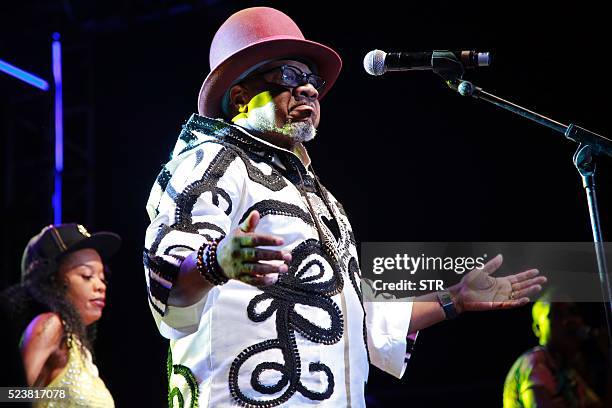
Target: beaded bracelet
x=210 y=270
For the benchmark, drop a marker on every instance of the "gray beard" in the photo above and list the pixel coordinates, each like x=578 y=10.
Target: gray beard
x=302 y=131
x=264 y=120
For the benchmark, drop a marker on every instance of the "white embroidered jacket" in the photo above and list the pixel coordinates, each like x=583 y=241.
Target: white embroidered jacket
x=299 y=342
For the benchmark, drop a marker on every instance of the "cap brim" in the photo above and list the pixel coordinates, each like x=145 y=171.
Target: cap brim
x=105 y=243
x=217 y=82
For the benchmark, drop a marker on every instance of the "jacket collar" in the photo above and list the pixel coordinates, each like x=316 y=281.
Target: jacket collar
x=247 y=141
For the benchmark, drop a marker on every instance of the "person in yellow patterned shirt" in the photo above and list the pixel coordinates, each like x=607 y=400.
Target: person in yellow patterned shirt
x=553 y=373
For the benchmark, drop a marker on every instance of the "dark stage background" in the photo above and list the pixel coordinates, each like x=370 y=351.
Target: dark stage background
x=409 y=159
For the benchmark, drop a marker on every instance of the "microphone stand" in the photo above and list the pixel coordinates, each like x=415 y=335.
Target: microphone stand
x=590 y=146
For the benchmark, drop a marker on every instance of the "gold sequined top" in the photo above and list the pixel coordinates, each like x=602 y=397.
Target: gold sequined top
x=81 y=380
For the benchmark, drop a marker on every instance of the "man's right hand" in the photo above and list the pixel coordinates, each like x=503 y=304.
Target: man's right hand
x=238 y=254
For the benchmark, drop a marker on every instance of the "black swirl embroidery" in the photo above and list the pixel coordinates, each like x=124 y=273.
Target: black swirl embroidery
x=153 y=305
x=162 y=267
x=185 y=202
x=187 y=198
x=178 y=246
x=240 y=144
x=186 y=135
x=354 y=274
x=163 y=178
x=209 y=226
x=171 y=191
x=274 y=181
x=294 y=177
x=300 y=285
x=158 y=291
x=275 y=207
x=199 y=157
x=332 y=225
x=216 y=192
x=188 y=377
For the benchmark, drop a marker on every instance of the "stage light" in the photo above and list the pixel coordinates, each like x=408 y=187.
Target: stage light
x=23 y=75
x=56 y=54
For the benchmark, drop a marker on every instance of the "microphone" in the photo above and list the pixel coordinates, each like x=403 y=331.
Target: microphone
x=378 y=62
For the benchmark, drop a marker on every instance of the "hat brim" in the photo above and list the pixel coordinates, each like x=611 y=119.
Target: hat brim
x=327 y=61
x=105 y=243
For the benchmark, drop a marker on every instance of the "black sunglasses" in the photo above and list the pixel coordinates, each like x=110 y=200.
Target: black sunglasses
x=293 y=76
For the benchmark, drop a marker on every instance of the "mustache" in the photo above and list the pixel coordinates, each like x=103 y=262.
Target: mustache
x=301 y=101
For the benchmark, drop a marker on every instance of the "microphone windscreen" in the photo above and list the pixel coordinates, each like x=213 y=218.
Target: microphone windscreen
x=374 y=62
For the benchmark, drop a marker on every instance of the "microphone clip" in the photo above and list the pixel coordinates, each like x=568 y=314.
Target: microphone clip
x=447 y=65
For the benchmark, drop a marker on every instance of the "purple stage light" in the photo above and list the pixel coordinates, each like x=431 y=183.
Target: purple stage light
x=23 y=75
x=56 y=49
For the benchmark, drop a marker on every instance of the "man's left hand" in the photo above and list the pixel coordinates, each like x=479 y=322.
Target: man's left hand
x=478 y=290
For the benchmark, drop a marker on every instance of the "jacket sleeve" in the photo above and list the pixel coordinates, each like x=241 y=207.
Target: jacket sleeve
x=386 y=321
x=389 y=344
x=192 y=202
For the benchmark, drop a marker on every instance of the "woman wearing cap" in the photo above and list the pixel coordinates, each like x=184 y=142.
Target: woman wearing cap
x=63 y=279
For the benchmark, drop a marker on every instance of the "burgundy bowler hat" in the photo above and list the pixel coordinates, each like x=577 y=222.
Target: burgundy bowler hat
x=253 y=36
